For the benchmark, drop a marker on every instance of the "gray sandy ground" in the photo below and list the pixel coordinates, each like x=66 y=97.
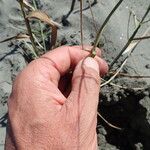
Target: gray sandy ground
x=113 y=39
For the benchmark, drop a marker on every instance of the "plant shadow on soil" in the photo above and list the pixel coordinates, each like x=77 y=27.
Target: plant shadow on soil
x=128 y=114
x=3 y=120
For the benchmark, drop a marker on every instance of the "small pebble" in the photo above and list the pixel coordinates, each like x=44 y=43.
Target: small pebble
x=64 y=41
x=91 y=35
x=72 y=36
x=147 y=66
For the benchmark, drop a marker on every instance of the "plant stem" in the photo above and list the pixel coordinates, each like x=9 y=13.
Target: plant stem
x=40 y=25
x=146 y=21
x=123 y=87
x=127 y=75
x=141 y=38
x=92 y=16
x=81 y=22
x=117 y=72
x=109 y=124
x=93 y=53
x=33 y=52
x=131 y=38
x=28 y=28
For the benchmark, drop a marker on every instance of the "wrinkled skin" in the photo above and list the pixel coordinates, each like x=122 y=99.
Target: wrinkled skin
x=52 y=109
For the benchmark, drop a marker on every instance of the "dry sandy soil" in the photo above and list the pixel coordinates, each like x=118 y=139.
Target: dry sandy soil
x=128 y=109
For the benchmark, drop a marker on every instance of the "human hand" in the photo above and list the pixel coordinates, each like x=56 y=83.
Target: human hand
x=52 y=109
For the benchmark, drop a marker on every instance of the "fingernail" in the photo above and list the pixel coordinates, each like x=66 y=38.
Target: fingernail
x=91 y=63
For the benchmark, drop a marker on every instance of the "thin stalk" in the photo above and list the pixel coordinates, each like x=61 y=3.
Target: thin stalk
x=36 y=40
x=131 y=38
x=125 y=60
x=136 y=42
x=129 y=76
x=123 y=87
x=81 y=22
x=28 y=27
x=117 y=72
x=33 y=52
x=70 y=11
x=92 y=16
x=141 y=38
x=146 y=21
x=109 y=124
x=40 y=25
x=93 y=51
x=92 y=4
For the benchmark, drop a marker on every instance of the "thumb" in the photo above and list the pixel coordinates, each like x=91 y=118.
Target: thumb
x=86 y=85
x=81 y=105
x=83 y=99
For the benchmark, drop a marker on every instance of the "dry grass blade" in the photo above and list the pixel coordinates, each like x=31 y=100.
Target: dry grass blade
x=127 y=75
x=38 y=42
x=27 y=5
x=123 y=87
x=131 y=38
x=30 y=48
x=129 y=50
x=17 y=37
x=81 y=22
x=136 y=21
x=28 y=26
x=107 y=82
x=45 y=18
x=109 y=124
x=135 y=42
x=130 y=47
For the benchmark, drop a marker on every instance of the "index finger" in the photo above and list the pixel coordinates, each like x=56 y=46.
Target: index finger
x=63 y=58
